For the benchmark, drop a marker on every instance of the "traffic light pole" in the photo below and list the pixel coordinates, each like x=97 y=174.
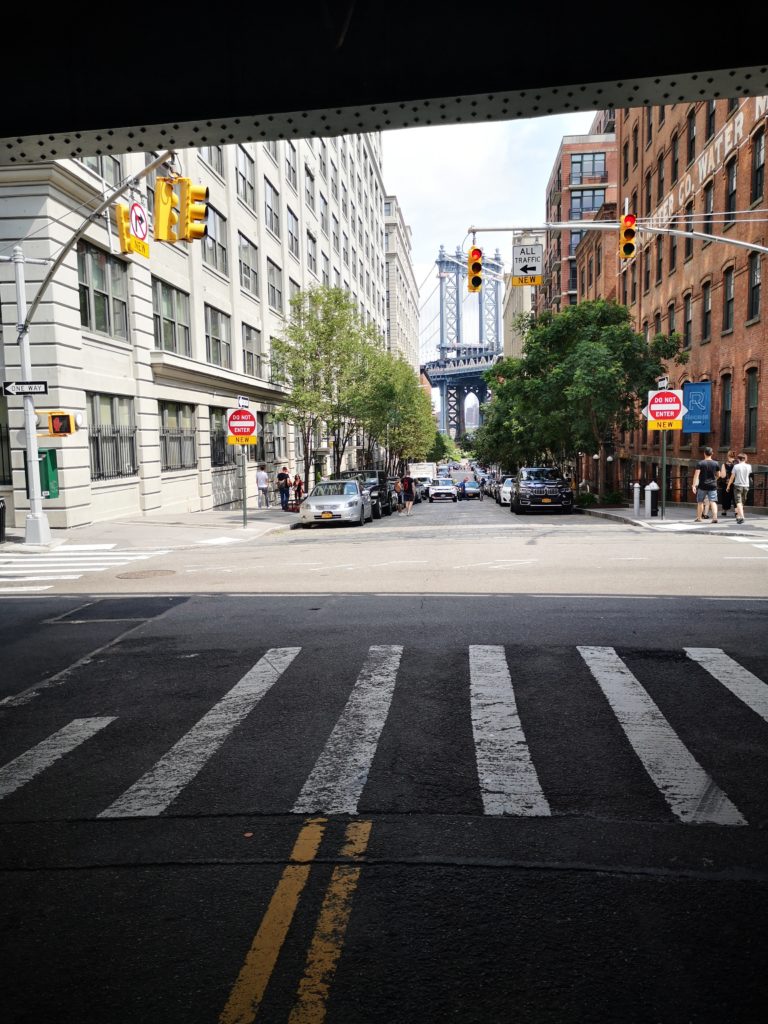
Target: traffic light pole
x=37 y=529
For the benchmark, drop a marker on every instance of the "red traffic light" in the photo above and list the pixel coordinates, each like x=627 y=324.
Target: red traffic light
x=475 y=253
x=629 y=219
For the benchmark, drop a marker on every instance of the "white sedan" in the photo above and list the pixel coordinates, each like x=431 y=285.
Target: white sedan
x=336 y=501
x=442 y=490
x=505 y=491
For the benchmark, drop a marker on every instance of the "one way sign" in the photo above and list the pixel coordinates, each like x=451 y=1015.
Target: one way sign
x=25 y=387
x=527 y=264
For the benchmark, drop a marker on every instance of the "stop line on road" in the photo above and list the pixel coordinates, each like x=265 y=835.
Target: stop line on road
x=67 y=562
x=504 y=772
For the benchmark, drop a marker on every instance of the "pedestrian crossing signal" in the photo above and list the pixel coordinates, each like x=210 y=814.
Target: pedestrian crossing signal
x=61 y=424
x=475 y=269
x=627 y=232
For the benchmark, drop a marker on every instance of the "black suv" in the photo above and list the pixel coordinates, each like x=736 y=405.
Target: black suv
x=540 y=487
x=382 y=493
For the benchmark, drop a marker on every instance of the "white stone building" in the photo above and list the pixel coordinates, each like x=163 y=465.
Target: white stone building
x=402 y=290
x=151 y=352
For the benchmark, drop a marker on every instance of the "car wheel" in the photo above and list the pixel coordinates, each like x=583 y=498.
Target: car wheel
x=361 y=520
x=455 y=499
x=431 y=500
x=376 y=512
x=515 y=508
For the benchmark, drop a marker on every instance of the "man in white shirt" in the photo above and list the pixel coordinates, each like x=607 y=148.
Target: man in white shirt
x=262 y=482
x=739 y=480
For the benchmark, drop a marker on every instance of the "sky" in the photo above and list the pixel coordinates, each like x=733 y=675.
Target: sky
x=488 y=175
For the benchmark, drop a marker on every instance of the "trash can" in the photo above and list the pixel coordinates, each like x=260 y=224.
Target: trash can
x=2 y=520
x=652 y=498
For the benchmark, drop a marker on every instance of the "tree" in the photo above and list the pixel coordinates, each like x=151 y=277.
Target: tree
x=396 y=411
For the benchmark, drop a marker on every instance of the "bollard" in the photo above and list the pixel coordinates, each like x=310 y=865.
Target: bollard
x=651 y=499
x=636 y=499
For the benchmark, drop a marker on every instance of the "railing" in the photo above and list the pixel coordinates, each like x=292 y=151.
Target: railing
x=5 y=455
x=588 y=179
x=679 y=480
x=177 y=449
x=113 y=452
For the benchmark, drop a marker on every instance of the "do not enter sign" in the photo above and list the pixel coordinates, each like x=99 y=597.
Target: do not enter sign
x=241 y=427
x=665 y=410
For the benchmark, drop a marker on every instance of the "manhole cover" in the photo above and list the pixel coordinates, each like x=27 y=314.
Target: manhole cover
x=145 y=574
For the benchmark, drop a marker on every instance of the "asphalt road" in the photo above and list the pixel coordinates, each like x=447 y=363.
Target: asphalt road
x=403 y=773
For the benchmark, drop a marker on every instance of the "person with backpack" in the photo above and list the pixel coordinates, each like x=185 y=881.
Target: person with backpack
x=705 y=485
x=399 y=495
x=409 y=493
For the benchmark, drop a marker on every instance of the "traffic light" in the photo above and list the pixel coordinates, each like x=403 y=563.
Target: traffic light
x=166 y=211
x=194 y=210
x=61 y=424
x=475 y=269
x=627 y=232
x=124 y=227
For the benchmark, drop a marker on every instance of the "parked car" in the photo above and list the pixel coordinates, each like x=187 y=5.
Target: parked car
x=443 y=489
x=541 y=487
x=505 y=491
x=336 y=501
x=472 y=489
x=382 y=493
x=425 y=482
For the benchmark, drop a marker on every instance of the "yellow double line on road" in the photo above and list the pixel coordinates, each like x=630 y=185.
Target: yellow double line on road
x=327 y=941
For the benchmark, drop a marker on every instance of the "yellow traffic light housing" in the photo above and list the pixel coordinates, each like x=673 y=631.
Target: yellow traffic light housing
x=475 y=269
x=166 y=211
x=194 y=210
x=627 y=233
x=124 y=227
x=61 y=424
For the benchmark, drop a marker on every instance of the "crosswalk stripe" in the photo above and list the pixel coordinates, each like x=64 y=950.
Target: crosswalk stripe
x=336 y=783
x=162 y=784
x=742 y=684
x=689 y=791
x=508 y=780
x=26 y=766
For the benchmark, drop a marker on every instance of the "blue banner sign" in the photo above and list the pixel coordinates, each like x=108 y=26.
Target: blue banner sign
x=697 y=398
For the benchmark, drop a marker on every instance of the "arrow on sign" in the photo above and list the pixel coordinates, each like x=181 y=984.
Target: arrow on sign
x=529 y=270
x=26 y=387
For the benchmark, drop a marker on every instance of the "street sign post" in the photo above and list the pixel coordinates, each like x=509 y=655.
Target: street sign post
x=241 y=430
x=527 y=264
x=665 y=411
x=25 y=387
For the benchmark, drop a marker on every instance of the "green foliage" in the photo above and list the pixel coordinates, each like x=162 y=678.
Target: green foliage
x=613 y=498
x=586 y=500
x=443 y=447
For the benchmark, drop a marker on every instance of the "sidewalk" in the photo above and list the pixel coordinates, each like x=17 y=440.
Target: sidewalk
x=169 y=530
x=681 y=519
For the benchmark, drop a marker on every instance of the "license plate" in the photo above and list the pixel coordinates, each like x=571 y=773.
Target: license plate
x=546 y=501
x=327 y=515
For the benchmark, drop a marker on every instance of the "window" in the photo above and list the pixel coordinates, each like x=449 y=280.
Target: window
x=688 y=227
x=271 y=208
x=659 y=258
x=635 y=149
x=335 y=233
x=583 y=165
x=758 y=166
x=711 y=107
x=648 y=195
x=222 y=454
x=657 y=324
x=675 y=155
x=706 y=311
x=586 y=201
x=672 y=253
x=103 y=284
x=728 y=299
x=170 y=309
x=691 y=137
x=733 y=104
x=625 y=162
x=709 y=207
x=345 y=248
x=324 y=158
x=590 y=271
x=254 y=363
x=215 y=242
x=750 y=421
x=599 y=252
x=111 y=437
x=214 y=157
x=218 y=345
x=324 y=214
x=687 y=320
x=648 y=125
x=662 y=114
x=271 y=148
x=726 y=407
x=334 y=180
x=281 y=440
x=177 y=436
x=660 y=186
x=327 y=270
x=294 y=289
x=245 y=177
x=344 y=200
x=309 y=187
x=107 y=167
x=646 y=268
x=671 y=317
x=753 y=301
x=249 y=265
x=311 y=253
x=293 y=233
x=730 y=191
x=274 y=286
x=291 y=166
x=633 y=282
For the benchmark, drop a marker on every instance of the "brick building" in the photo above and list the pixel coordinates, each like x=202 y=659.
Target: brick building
x=698 y=167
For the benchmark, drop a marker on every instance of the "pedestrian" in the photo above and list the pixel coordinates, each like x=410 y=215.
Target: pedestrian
x=284 y=487
x=705 y=485
x=262 y=482
x=399 y=495
x=298 y=489
x=739 y=480
x=409 y=493
x=726 y=495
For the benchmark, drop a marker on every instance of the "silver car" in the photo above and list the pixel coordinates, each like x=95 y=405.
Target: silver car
x=336 y=501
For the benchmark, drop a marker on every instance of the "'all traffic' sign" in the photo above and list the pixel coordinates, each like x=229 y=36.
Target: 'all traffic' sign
x=665 y=410
x=241 y=427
